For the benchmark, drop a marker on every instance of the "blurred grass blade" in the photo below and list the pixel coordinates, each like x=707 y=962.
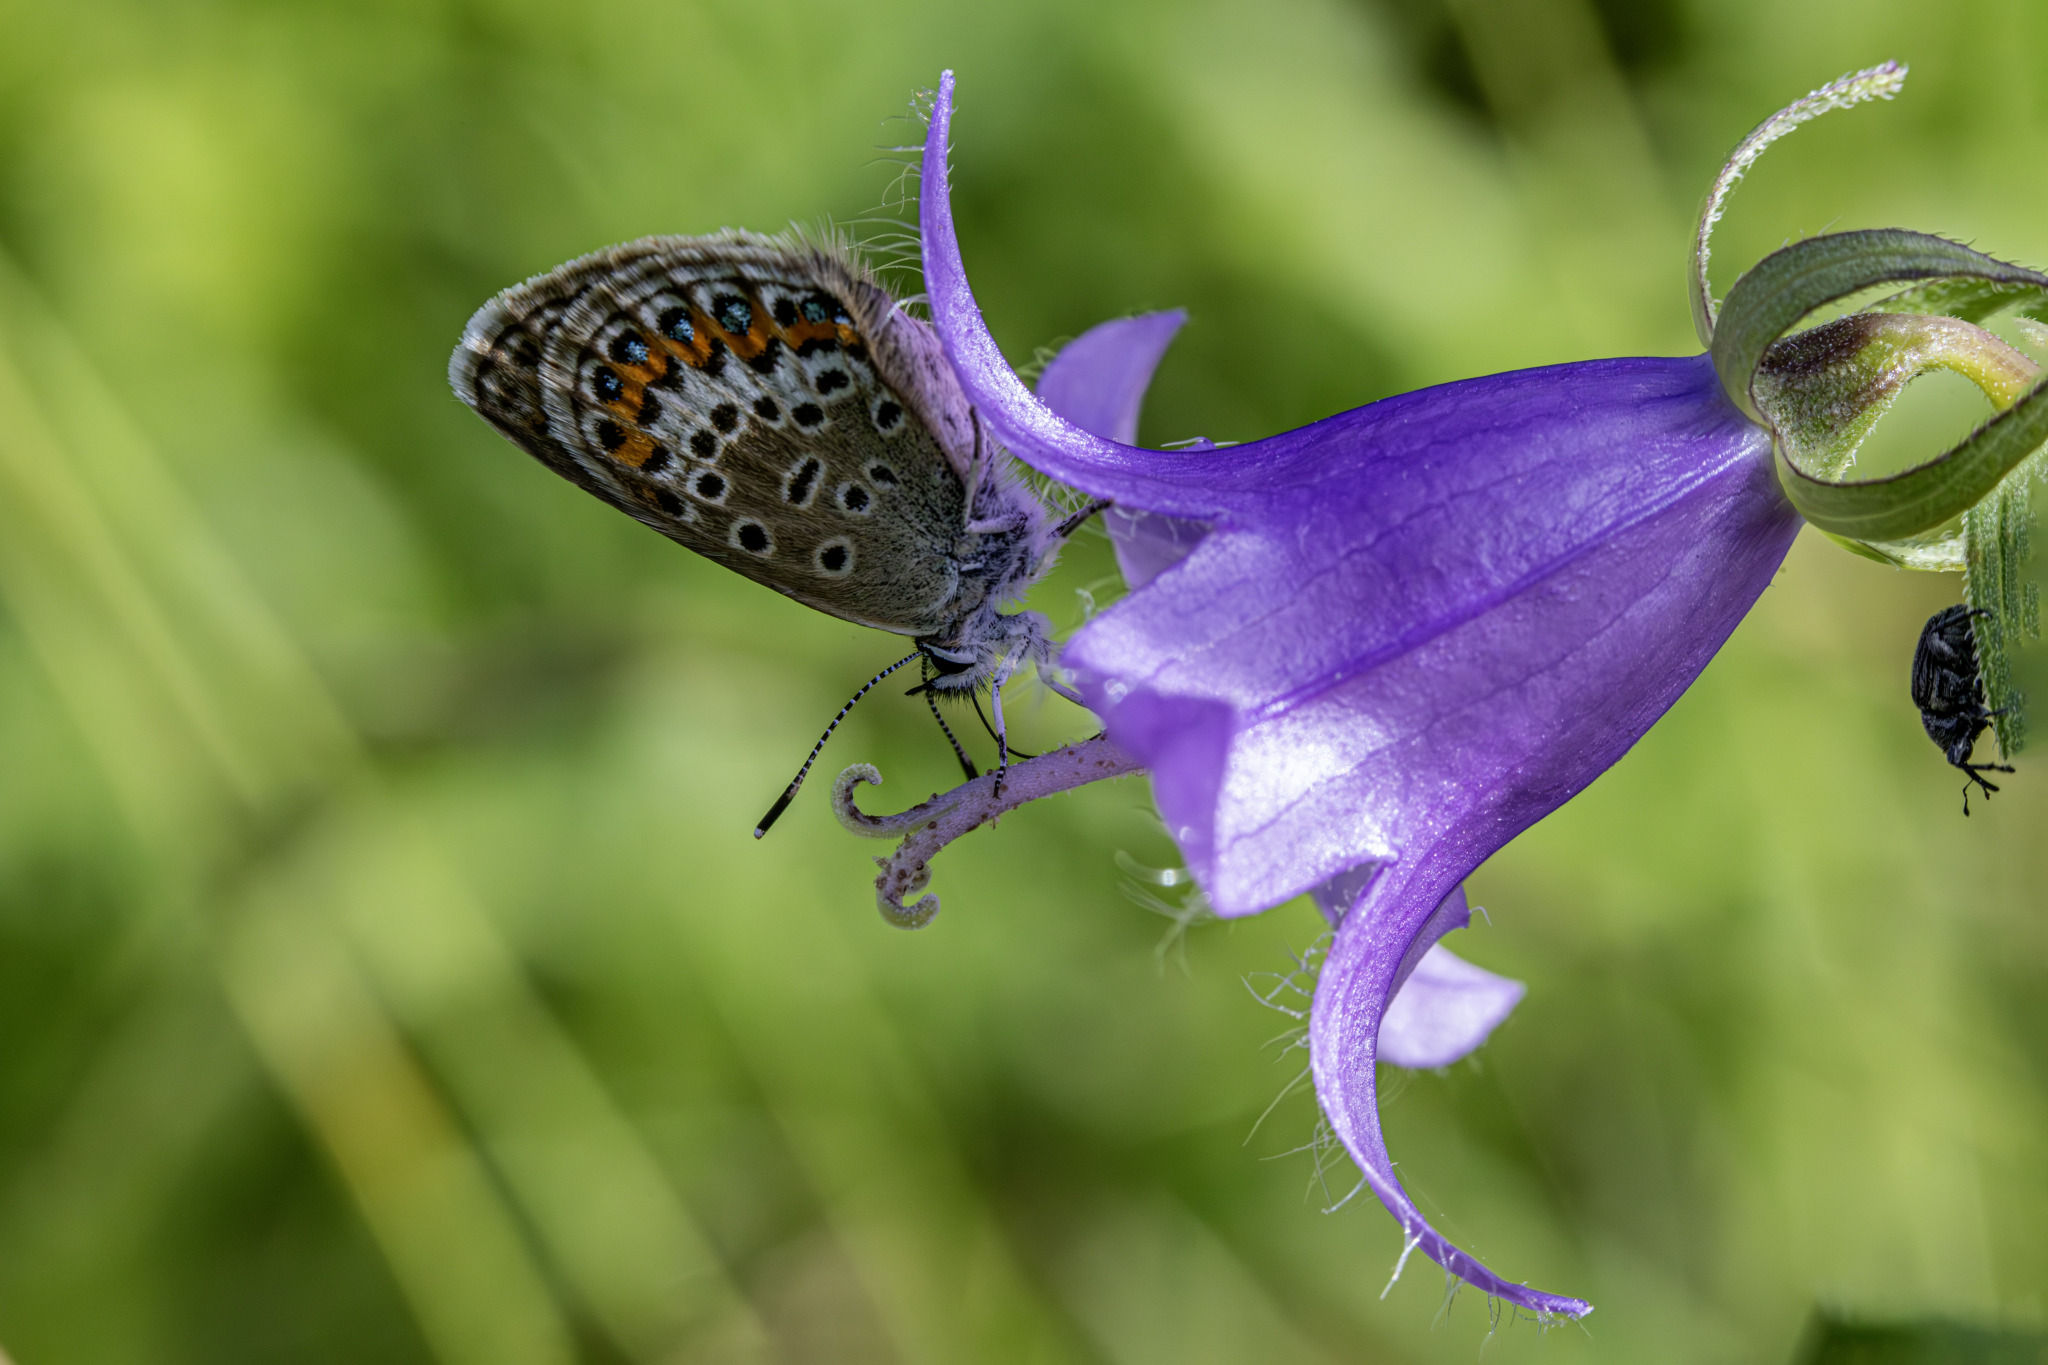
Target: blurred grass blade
x=234 y=761
x=455 y=1251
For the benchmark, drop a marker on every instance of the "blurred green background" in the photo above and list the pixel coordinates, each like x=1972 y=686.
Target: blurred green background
x=386 y=969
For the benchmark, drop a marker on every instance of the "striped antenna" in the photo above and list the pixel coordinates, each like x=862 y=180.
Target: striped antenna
x=789 y=793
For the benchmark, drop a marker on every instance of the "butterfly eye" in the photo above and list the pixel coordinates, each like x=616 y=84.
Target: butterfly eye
x=888 y=416
x=725 y=417
x=606 y=381
x=854 y=499
x=815 y=310
x=807 y=414
x=785 y=313
x=881 y=474
x=765 y=408
x=709 y=486
x=752 y=537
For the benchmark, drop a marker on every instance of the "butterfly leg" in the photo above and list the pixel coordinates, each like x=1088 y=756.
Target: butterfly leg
x=995 y=702
x=931 y=699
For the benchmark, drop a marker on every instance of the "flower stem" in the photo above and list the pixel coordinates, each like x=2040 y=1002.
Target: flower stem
x=929 y=826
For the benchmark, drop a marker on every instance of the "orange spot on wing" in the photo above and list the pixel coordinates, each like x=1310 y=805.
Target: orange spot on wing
x=637 y=450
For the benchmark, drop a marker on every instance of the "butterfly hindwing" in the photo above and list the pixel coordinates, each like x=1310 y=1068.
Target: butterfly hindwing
x=730 y=392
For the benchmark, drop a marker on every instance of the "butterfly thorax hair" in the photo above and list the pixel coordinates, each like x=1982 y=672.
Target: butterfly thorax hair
x=766 y=402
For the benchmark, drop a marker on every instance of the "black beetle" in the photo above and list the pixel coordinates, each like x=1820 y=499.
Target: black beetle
x=1949 y=691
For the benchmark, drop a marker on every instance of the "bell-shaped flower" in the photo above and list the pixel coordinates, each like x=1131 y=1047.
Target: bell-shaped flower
x=1359 y=657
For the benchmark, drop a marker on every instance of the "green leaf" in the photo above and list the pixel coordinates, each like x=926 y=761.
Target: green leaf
x=1831 y=1340
x=1997 y=546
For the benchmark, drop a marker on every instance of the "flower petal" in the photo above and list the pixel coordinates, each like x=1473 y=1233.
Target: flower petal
x=1488 y=594
x=1444 y=1010
x=1444 y=1007
x=1345 y=1040
x=1060 y=448
x=1098 y=383
x=1098 y=380
x=1413 y=630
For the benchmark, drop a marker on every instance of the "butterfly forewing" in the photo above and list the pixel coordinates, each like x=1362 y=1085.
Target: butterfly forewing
x=731 y=393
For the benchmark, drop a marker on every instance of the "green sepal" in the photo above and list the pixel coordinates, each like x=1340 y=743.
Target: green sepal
x=1941 y=552
x=1870 y=552
x=1936 y=552
x=1771 y=298
x=1905 y=505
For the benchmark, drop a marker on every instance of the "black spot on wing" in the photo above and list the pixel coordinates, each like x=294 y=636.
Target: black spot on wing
x=733 y=313
x=798 y=490
x=629 y=348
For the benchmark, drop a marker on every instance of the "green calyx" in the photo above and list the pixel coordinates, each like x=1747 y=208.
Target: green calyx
x=1821 y=390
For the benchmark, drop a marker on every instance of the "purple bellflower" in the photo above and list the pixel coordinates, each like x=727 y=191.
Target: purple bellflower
x=1358 y=658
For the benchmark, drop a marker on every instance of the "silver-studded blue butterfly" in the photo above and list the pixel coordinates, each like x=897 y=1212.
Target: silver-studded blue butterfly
x=765 y=402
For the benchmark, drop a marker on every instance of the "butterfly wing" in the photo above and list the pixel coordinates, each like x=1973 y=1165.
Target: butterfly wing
x=759 y=401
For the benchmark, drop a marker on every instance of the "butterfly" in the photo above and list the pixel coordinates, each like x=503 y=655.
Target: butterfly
x=765 y=402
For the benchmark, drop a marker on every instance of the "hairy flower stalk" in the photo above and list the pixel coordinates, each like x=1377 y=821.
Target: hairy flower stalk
x=1359 y=657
